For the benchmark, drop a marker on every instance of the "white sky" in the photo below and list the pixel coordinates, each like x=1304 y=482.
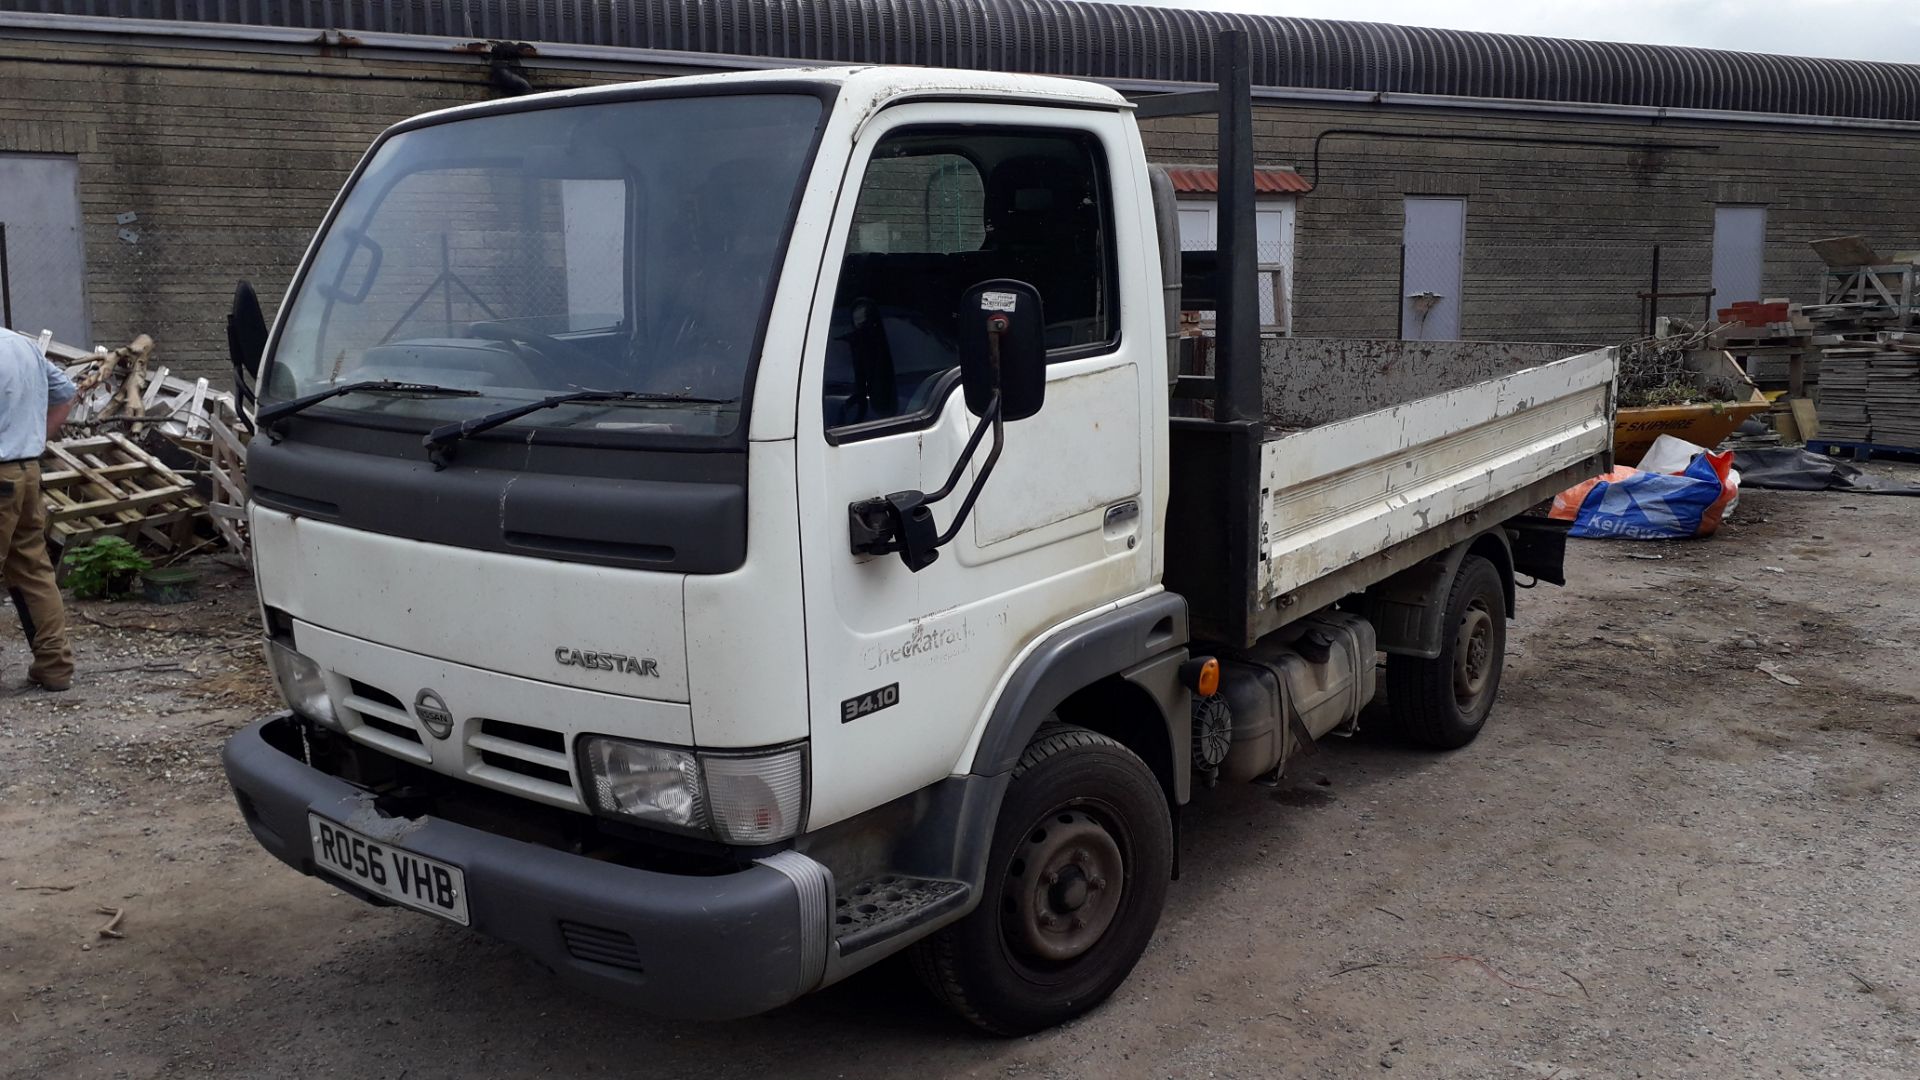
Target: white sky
x=1854 y=29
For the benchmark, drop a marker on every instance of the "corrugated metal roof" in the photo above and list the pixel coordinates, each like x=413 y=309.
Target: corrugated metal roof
x=1265 y=181
x=1114 y=41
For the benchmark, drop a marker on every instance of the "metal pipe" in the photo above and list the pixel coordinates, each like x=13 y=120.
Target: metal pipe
x=1236 y=358
x=1653 y=303
x=6 y=282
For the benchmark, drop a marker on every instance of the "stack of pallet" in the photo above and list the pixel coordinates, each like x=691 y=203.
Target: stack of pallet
x=1870 y=396
x=1843 y=393
x=1865 y=326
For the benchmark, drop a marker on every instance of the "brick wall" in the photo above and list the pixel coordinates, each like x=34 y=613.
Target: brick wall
x=1559 y=239
x=229 y=158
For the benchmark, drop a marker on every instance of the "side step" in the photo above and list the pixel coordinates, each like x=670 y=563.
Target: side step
x=891 y=904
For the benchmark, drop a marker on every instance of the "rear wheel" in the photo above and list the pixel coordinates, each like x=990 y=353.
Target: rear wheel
x=1443 y=702
x=1076 y=879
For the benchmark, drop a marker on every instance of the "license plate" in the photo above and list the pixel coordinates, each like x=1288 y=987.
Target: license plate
x=401 y=876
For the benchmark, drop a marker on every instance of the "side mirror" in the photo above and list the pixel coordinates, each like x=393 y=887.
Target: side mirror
x=1003 y=346
x=1003 y=369
x=246 y=339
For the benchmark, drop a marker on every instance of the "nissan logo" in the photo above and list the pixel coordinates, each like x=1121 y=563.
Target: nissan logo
x=434 y=714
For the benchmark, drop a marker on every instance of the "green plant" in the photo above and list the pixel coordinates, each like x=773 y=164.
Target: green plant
x=96 y=569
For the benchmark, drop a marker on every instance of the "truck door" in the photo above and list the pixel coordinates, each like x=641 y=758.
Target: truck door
x=940 y=197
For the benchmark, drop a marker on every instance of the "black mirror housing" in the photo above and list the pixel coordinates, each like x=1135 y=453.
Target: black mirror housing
x=1003 y=346
x=246 y=338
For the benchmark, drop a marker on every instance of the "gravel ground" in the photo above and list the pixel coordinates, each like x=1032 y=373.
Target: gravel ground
x=1659 y=861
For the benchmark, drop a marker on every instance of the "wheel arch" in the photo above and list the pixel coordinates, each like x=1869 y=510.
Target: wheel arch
x=1124 y=711
x=1494 y=547
x=1406 y=609
x=1117 y=674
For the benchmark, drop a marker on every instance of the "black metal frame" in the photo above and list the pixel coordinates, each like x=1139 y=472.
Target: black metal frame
x=1213 y=503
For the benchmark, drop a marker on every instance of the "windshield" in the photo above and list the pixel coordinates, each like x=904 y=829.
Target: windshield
x=623 y=246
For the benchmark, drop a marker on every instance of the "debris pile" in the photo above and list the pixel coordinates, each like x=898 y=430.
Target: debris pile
x=1676 y=383
x=147 y=456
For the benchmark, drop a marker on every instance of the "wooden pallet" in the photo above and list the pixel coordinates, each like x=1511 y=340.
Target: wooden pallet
x=1865 y=451
x=105 y=485
x=227 y=466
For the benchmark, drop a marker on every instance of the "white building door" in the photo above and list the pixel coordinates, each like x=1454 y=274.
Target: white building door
x=1431 y=246
x=1273 y=231
x=1739 y=253
x=44 y=282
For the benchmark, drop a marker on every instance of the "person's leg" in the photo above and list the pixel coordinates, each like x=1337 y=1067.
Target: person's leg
x=9 y=517
x=29 y=574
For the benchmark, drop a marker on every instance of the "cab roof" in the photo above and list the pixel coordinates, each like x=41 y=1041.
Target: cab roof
x=860 y=88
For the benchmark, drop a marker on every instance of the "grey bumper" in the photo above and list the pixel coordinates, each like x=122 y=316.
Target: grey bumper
x=676 y=945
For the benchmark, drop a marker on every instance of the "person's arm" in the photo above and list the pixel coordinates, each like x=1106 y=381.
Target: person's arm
x=60 y=395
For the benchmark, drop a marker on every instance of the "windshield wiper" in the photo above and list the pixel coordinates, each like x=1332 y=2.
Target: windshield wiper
x=273 y=414
x=446 y=435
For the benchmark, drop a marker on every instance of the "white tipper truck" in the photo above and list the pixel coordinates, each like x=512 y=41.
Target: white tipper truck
x=716 y=533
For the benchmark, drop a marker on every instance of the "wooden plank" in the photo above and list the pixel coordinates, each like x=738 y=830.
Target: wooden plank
x=1806 y=417
x=118 y=506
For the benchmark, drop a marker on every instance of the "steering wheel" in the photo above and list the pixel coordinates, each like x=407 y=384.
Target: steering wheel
x=549 y=345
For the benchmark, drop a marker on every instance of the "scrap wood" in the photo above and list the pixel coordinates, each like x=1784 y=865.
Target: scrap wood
x=112 y=929
x=43 y=888
x=227 y=471
x=124 y=386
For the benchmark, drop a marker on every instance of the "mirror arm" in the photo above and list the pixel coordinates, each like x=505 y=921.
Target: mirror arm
x=903 y=521
x=986 y=470
x=966 y=453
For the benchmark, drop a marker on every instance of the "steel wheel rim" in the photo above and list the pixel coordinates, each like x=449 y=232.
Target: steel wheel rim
x=1473 y=653
x=1065 y=884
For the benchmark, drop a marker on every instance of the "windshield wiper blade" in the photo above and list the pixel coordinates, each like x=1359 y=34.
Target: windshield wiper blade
x=274 y=413
x=446 y=435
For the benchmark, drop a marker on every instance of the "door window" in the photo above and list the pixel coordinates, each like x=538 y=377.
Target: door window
x=939 y=211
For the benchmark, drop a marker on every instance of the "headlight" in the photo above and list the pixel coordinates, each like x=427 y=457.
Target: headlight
x=652 y=783
x=301 y=684
x=738 y=798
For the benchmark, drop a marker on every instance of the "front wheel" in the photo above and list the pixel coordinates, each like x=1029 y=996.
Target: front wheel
x=1076 y=878
x=1443 y=702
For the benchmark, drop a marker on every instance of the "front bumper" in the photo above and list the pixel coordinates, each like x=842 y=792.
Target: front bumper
x=676 y=945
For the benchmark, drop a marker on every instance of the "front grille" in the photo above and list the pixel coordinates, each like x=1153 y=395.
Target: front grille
x=506 y=754
x=383 y=720
x=538 y=738
x=375 y=695
x=525 y=757
x=379 y=723
x=599 y=945
x=526 y=768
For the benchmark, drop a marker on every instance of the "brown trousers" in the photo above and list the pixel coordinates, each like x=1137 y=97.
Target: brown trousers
x=29 y=573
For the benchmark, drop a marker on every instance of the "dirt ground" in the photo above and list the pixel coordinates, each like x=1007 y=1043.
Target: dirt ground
x=1659 y=861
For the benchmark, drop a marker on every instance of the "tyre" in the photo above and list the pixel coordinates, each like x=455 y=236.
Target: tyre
x=1076 y=878
x=1443 y=702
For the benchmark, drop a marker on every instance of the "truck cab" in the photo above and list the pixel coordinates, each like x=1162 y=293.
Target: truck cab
x=712 y=533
